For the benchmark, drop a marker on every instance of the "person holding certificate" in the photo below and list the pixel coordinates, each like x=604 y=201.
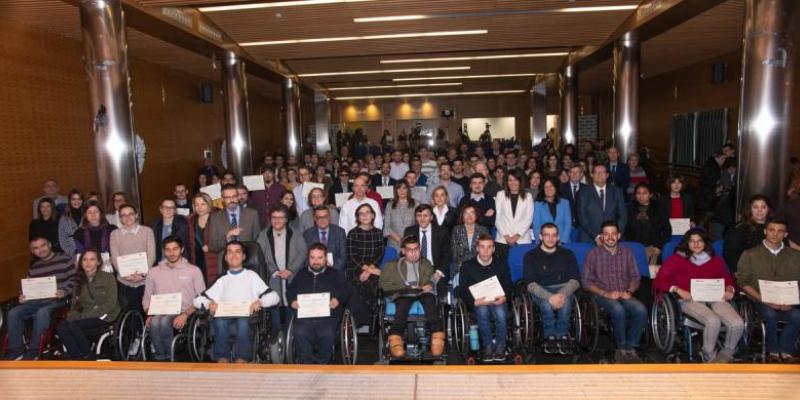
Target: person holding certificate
x=408 y=279
x=695 y=260
x=94 y=306
x=317 y=332
x=237 y=287
x=133 y=251
x=474 y=273
x=173 y=274
x=775 y=262
x=39 y=299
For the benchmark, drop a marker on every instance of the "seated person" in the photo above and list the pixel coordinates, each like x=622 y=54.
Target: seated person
x=317 y=333
x=611 y=275
x=405 y=280
x=551 y=272
x=695 y=259
x=238 y=284
x=172 y=275
x=773 y=261
x=46 y=263
x=433 y=245
x=479 y=269
x=94 y=305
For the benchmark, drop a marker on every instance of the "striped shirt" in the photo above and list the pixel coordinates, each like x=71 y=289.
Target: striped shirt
x=61 y=266
x=611 y=272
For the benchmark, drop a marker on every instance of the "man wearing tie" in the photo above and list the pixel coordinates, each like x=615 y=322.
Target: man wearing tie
x=382 y=178
x=570 y=189
x=332 y=236
x=599 y=203
x=433 y=244
x=620 y=174
x=233 y=222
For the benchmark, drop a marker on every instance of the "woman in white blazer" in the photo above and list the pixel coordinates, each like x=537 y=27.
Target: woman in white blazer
x=514 y=209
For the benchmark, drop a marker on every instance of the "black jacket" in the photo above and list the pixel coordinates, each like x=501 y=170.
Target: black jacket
x=686 y=199
x=329 y=280
x=653 y=231
x=473 y=272
x=180 y=228
x=440 y=241
x=547 y=269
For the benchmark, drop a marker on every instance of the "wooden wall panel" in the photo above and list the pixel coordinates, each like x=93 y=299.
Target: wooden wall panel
x=266 y=126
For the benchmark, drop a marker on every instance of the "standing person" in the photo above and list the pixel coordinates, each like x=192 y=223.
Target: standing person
x=677 y=203
x=399 y=214
x=454 y=190
x=304 y=177
x=50 y=190
x=46 y=225
x=231 y=223
x=431 y=242
x=94 y=231
x=535 y=184
x=478 y=198
x=551 y=208
x=748 y=233
x=637 y=175
x=444 y=214
x=332 y=236
x=117 y=200
x=647 y=223
x=199 y=253
x=169 y=224
x=397 y=168
x=514 y=214
x=571 y=189
x=348 y=217
x=620 y=175
x=290 y=203
x=182 y=200
x=464 y=239
x=316 y=198
x=132 y=238
x=364 y=254
x=383 y=178
x=601 y=202
x=263 y=200
x=69 y=222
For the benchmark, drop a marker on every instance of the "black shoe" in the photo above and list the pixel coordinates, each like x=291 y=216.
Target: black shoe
x=564 y=346
x=550 y=345
x=488 y=354
x=500 y=354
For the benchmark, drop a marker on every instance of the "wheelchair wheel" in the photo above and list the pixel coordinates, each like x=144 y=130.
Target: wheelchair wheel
x=199 y=338
x=289 y=344
x=460 y=323
x=129 y=328
x=524 y=329
x=382 y=335
x=576 y=321
x=664 y=324
x=348 y=336
x=590 y=323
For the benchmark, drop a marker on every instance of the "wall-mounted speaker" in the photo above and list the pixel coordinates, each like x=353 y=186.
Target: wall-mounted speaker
x=207 y=93
x=718 y=72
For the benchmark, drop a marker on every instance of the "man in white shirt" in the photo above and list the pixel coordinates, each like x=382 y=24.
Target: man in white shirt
x=303 y=176
x=398 y=167
x=347 y=217
x=454 y=191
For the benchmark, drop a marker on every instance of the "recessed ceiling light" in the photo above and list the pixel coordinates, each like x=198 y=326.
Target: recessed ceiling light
x=495 y=13
x=391 y=19
x=407 y=95
x=395 y=86
x=430 y=78
x=368 y=37
x=383 y=71
x=597 y=8
x=253 y=6
x=471 y=58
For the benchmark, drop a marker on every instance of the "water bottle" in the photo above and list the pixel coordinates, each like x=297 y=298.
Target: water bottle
x=473 y=338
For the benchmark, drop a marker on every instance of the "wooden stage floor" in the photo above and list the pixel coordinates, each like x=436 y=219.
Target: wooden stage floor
x=136 y=380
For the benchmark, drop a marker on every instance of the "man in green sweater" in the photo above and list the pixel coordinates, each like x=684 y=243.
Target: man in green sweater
x=773 y=261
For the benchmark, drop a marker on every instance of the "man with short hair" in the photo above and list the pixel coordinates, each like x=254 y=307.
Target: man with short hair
x=454 y=190
x=433 y=245
x=777 y=262
x=318 y=333
x=169 y=224
x=491 y=187
x=618 y=171
x=458 y=174
x=228 y=178
x=243 y=194
x=420 y=178
x=611 y=275
x=427 y=163
x=300 y=201
x=398 y=167
x=231 y=223
x=347 y=217
x=263 y=200
x=46 y=264
x=383 y=178
x=182 y=202
x=50 y=190
x=551 y=272
x=598 y=203
x=571 y=189
x=332 y=236
x=174 y=274
x=479 y=199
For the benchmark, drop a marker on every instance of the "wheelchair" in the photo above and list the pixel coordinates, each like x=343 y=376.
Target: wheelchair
x=347 y=345
x=755 y=330
x=49 y=345
x=416 y=336
x=460 y=319
x=120 y=340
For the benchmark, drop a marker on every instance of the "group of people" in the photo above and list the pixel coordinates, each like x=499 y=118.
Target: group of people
x=322 y=226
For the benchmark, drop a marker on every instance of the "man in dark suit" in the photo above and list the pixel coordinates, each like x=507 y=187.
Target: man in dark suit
x=599 y=203
x=618 y=170
x=341 y=185
x=433 y=244
x=332 y=236
x=383 y=178
x=571 y=189
x=477 y=197
x=234 y=222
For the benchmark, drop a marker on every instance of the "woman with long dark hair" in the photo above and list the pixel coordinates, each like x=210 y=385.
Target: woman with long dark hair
x=95 y=231
x=551 y=208
x=514 y=207
x=46 y=224
x=399 y=214
x=199 y=253
x=748 y=233
x=69 y=222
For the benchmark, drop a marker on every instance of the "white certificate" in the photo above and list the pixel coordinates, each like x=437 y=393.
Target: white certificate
x=39 y=288
x=183 y=211
x=418 y=193
x=214 y=191
x=783 y=293
x=253 y=182
x=680 y=225
x=314 y=305
x=341 y=198
x=488 y=289
x=238 y=308
x=107 y=267
x=387 y=192
x=308 y=187
x=130 y=264
x=165 y=304
x=329 y=258
x=708 y=290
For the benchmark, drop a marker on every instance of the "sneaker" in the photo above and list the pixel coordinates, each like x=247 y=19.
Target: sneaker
x=773 y=358
x=708 y=357
x=787 y=358
x=500 y=354
x=724 y=357
x=550 y=345
x=29 y=357
x=14 y=355
x=488 y=354
x=620 y=357
x=564 y=347
x=632 y=357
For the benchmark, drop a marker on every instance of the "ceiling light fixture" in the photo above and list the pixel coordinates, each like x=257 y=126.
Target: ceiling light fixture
x=475 y=58
x=597 y=8
x=430 y=78
x=408 y=95
x=254 y=6
x=395 y=86
x=369 y=37
x=496 y=13
x=383 y=71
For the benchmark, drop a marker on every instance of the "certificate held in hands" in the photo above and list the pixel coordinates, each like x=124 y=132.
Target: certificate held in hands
x=165 y=304
x=39 y=288
x=708 y=290
x=238 y=308
x=488 y=289
x=130 y=264
x=783 y=293
x=314 y=305
x=253 y=182
x=680 y=225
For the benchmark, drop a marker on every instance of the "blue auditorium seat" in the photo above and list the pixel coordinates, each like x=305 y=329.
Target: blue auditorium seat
x=641 y=257
x=580 y=250
x=516 y=255
x=669 y=247
x=389 y=254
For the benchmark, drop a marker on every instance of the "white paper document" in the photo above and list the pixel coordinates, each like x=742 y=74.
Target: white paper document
x=680 y=225
x=708 y=290
x=386 y=192
x=488 y=289
x=418 y=193
x=183 y=211
x=341 y=198
x=783 y=293
x=314 y=305
x=329 y=258
x=165 y=304
x=308 y=187
x=214 y=191
x=239 y=308
x=253 y=182
x=130 y=264
x=39 y=288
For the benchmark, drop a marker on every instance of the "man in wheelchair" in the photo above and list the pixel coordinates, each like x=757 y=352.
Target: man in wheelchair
x=477 y=270
x=773 y=261
x=408 y=279
x=551 y=273
x=238 y=286
x=174 y=274
x=317 y=332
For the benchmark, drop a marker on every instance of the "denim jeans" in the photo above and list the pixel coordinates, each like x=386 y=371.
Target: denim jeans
x=41 y=311
x=484 y=315
x=626 y=334
x=162 y=333
x=222 y=333
x=555 y=322
x=788 y=337
x=314 y=333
